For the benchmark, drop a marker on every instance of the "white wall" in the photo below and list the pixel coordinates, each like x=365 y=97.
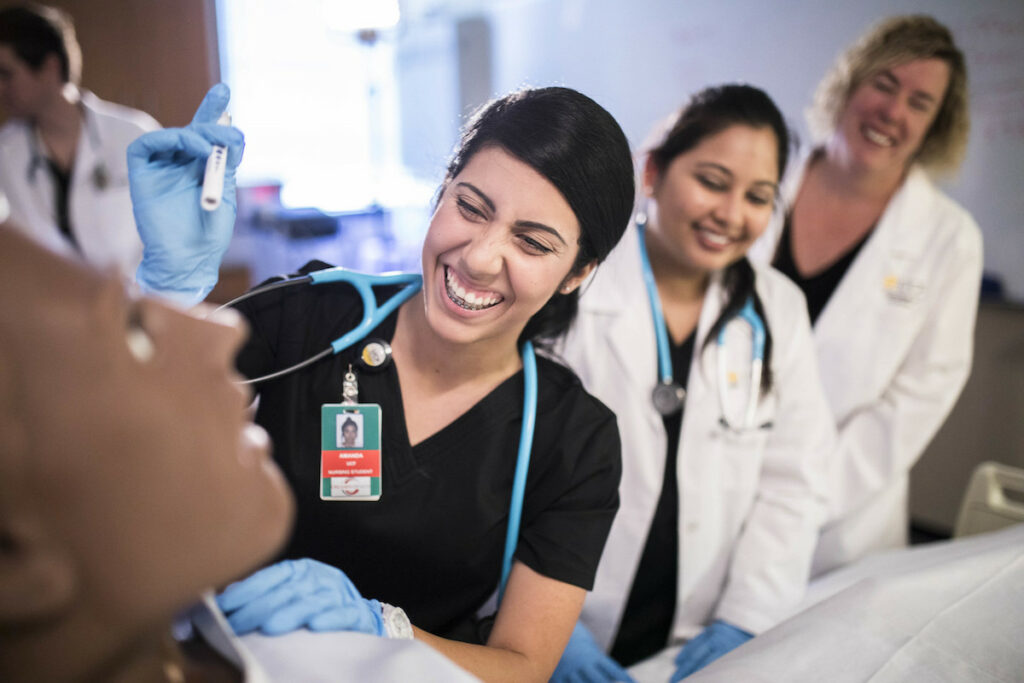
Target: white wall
x=640 y=58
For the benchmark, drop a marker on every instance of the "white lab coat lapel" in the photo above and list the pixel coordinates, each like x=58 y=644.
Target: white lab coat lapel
x=703 y=365
x=30 y=188
x=101 y=208
x=617 y=325
x=42 y=189
x=692 y=459
x=858 y=305
x=630 y=324
x=629 y=333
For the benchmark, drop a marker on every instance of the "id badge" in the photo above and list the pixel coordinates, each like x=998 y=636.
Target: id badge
x=350 y=459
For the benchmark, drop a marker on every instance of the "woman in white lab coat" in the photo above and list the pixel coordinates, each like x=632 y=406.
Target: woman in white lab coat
x=720 y=504
x=891 y=264
x=62 y=153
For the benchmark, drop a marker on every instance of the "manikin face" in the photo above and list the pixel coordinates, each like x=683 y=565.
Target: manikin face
x=143 y=465
x=23 y=91
x=501 y=243
x=715 y=200
x=888 y=115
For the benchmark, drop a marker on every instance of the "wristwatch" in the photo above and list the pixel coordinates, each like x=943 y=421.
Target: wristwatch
x=396 y=623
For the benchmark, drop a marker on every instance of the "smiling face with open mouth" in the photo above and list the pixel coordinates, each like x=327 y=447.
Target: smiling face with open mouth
x=714 y=200
x=500 y=244
x=888 y=115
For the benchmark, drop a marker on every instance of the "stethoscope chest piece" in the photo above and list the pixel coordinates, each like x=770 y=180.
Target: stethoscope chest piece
x=100 y=177
x=376 y=354
x=668 y=398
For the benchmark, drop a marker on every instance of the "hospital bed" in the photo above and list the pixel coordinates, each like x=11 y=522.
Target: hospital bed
x=944 y=611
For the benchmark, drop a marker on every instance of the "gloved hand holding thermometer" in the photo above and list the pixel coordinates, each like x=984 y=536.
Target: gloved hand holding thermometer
x=184 y=240
x=213 y=178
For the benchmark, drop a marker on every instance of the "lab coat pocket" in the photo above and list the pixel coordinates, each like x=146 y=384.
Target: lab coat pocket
x=899 y=323
x=740 y=454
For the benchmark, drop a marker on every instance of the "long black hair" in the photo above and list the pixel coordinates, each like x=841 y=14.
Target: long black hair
x=580 y=149
x=709 y=112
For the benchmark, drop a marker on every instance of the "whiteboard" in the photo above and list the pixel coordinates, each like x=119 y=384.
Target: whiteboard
x=641 y=58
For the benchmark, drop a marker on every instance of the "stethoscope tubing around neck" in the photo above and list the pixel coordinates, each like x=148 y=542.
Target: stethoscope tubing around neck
x=660 y=329
x=747 y=313
x=374 y=315
x=522 y=463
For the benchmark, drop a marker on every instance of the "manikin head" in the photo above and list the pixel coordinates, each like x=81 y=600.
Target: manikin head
x=130 y=477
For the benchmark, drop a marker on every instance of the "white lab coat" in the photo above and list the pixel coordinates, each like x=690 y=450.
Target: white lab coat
x=750 y=503
x=101 y=217
x=894 y=343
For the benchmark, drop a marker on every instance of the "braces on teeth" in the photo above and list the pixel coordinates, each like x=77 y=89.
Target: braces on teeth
x=462 y=299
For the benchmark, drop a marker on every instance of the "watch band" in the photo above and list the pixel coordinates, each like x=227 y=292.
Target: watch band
x=396 y=623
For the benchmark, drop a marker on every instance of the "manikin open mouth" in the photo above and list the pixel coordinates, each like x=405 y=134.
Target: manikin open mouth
x=467 y=300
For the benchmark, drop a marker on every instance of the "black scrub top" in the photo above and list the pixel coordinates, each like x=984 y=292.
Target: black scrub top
x=817 y=288
x=646 y=624
x=433 y=542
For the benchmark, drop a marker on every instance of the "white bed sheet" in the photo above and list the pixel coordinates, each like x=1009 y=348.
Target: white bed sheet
x=947 y=611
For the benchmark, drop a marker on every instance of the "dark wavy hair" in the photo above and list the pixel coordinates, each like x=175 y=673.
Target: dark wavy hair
x=34 y=32
x=580 y=149
x=709 y=112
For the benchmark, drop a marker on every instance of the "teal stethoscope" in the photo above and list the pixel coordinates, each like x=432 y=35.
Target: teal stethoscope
x=667 y=395
x=374 y=315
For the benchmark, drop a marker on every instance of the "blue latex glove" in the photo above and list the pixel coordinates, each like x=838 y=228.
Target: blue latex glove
x=713 y=642
x=292 y=594
x=585 y=662
x=183 y=243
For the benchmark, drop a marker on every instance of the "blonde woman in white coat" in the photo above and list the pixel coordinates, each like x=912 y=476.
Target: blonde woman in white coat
x=891 y=264
x=720 y=507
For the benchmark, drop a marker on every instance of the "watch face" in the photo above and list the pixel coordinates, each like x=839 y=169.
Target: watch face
x=668 y=398
x=396 y=622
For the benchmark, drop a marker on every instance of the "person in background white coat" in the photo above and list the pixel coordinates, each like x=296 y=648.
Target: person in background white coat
x=62 y=153
x=891 y=268
x=719 y=511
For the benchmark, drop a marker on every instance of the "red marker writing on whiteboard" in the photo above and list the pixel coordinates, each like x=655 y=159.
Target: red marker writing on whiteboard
x=213 y=178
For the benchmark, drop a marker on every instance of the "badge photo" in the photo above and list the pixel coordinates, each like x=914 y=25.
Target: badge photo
x=350 y=455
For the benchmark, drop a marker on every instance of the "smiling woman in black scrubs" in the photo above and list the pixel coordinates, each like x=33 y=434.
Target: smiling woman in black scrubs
x=538 y=192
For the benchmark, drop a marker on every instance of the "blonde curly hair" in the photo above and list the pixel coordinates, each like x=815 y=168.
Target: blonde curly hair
x=894 y=41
